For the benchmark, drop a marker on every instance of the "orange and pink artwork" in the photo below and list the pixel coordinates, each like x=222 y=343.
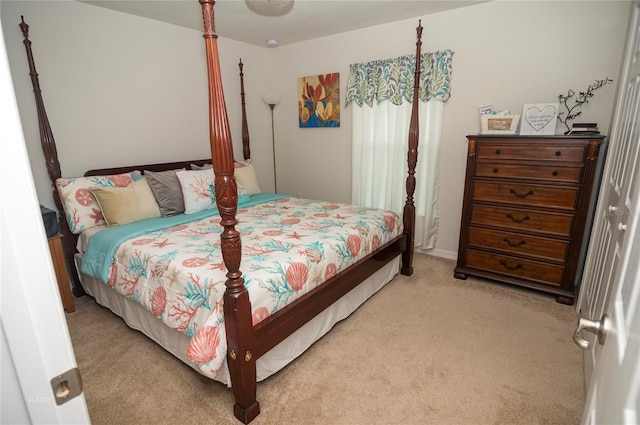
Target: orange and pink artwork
x=319 y=101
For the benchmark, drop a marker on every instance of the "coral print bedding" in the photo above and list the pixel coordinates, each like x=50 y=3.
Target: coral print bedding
x=289 y=246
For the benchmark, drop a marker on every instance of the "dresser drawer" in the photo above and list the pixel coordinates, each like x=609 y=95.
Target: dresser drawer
x=511 y=266
x=519 y=244
x=517 y=219
x=564 y=173
x=538 y=195
x=532 y=152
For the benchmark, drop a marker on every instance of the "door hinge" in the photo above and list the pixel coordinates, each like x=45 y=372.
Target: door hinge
x=67 y=385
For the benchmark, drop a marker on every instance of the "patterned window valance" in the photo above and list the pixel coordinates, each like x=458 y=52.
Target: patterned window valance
x=392 y=79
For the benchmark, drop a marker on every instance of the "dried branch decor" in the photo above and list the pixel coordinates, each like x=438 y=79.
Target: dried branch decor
x=581 y=99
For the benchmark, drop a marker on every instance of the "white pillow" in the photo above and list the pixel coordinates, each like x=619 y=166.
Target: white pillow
x=197 y=190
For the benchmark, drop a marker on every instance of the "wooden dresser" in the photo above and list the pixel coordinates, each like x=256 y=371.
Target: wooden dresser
x=526 y=203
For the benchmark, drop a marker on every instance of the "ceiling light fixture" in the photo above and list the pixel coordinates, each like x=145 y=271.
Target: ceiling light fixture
x=272 y=42
x=270 y=7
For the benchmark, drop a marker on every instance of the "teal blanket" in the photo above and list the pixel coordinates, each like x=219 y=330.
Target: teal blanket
x=102 y=246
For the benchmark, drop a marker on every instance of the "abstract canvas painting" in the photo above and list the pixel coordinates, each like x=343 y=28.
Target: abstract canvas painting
x=319 y=101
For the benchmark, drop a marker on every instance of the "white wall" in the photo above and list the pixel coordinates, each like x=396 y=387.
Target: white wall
x=121 y=89
x=124 y=90
x=507 y=53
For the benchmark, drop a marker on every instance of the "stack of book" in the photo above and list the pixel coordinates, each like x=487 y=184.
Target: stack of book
x=584 y=128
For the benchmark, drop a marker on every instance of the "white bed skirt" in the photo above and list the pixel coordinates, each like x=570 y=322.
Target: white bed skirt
x=175 y=342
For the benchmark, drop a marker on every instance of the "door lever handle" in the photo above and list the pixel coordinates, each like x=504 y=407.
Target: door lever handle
x=597 y=327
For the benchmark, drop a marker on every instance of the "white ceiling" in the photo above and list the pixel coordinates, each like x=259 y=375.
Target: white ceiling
x=288 y=21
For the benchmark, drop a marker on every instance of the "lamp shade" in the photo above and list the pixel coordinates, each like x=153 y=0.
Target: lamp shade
x=271 y=98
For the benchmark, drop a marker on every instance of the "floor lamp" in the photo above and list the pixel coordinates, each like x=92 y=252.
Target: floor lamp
x=272 y=100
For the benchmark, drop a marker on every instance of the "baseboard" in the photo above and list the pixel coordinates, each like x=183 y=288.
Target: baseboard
x=449 y=255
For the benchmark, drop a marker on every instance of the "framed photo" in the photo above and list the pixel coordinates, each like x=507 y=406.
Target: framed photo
x=499 y=124
x=539 y=118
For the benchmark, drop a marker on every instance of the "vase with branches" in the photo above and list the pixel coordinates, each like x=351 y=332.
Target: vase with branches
x=572 y=102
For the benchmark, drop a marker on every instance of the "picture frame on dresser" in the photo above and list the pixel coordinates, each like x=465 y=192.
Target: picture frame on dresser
x=526 y=211
x=499 y=124
x=539 y=118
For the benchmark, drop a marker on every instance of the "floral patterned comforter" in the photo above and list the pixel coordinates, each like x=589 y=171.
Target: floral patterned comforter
x=289 y=246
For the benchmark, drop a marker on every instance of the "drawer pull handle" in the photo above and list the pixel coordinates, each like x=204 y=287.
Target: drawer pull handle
x=515 y=245
x=495 y=170
x=497 y=151
x=521 y=195
x=558 y=153
x=515 y=220
x=555 y=173
x=516 y=267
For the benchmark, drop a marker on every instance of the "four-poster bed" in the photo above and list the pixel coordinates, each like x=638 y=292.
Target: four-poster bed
x=255 y=342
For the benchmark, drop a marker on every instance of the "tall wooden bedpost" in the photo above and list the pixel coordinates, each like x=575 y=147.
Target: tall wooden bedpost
x=237 y=308
x=51 y=160
x=246 y=152
x=409 y=215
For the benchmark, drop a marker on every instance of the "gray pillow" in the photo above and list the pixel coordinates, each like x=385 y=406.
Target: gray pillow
x=203 y=167
x=167 y=191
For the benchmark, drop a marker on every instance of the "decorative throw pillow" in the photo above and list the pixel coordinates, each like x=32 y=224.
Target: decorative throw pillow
x=124 y=205
x=197 y=190
x=79 y=204
x=246 y=176
x=167 y=191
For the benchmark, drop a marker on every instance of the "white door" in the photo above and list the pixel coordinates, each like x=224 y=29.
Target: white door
x=36 y=347
x=610 y=296
x=614 y=391
x=603 y=257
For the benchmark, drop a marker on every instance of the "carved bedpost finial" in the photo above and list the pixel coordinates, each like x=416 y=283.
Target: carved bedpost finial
x=246 y=150
x=24 y=27
x=208 y=18
x=419 y=31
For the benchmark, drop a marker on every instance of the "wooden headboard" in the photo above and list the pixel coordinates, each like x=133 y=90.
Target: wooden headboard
x=165 y=166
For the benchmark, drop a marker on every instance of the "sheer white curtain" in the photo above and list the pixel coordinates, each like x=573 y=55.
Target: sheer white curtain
x=381 y=93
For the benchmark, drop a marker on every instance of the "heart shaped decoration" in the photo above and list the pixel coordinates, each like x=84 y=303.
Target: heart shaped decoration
x=540 y=118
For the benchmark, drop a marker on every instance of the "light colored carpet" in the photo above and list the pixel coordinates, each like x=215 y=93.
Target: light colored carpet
x=428 y=349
